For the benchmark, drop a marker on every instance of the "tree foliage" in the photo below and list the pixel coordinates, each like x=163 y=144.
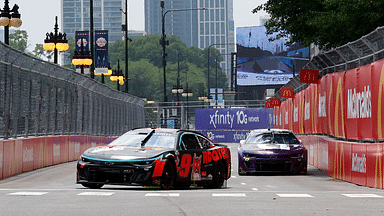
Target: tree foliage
x=19 y=40
x=145 y=68
x=327 y=24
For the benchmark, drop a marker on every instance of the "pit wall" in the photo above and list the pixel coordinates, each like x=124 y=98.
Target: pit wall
x=23 y=155
x=358 y=163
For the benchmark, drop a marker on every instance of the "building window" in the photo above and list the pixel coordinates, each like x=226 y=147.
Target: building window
x=217 y=28
x=217 y=3
x=218 y=39
x=207 y=3
x=222 y=28
x=212 y=39
x=207 y=40
x=201 y=42
x=206 y=28
x=212 y=14
x=222 y=3
x=222 y=15
x=202 y=28
x=201 y=16
x=223 y=41
x=212 y=4
x=212 y=28
x=217 y=15
x=207 y=15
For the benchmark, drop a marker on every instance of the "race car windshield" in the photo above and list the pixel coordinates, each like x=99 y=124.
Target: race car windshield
x=273 y=138
x=153 y=141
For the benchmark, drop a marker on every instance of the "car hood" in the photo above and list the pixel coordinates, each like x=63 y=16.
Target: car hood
x=122 y=152
x=271 y=147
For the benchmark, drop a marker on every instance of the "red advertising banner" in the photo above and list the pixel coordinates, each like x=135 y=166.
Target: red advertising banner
x=314 y=107
x=298 y=113
x=377 y=98
x=362 y=103
x=307 y=111
x=275 y=101
x=339 y=160
x=359 y=163
x=287 y=93
x=284 y=115
x=268 y=105
x=309 y=76
x=276 y=114
x=350 y=85
x=337 y=107
x=323 y=96
x=374 y=164
x=290 y=113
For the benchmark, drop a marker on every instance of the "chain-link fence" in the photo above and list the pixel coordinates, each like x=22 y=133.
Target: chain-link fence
x=363 y=51
x=38 y=98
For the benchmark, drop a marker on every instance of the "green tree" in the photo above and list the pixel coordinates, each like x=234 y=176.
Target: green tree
x=39 y=52
x=327 y=24
x=19 y=40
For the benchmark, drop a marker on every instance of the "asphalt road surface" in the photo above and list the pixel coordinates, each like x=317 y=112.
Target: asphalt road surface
x=52 y=190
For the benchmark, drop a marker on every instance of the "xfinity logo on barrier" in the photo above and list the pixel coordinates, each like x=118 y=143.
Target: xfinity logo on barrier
x=228 y=119
x=359 y=103
x=237 y=137
x=359 y=164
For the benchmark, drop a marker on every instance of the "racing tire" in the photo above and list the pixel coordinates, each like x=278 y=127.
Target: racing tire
x=218 y=176
x=92 y=185
x=168 y=177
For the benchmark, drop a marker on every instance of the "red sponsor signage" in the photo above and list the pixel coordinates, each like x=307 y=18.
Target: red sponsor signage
x=287 y=93
x=268 y=105
x=309 y=76
x=275 y=102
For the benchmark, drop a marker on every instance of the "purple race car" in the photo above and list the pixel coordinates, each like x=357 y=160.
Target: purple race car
x=272 y=150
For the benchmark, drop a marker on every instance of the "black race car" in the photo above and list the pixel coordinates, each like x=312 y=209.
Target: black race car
x=156 y=157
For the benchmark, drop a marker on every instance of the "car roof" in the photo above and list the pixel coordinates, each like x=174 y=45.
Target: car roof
x=276 y=130
x=163 y=130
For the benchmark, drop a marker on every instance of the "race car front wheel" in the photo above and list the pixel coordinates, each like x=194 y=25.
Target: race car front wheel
x=168 y=177
x=92 y=185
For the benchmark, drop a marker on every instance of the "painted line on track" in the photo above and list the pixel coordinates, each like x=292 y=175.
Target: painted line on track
x=28 y=193
x=362 y=195
x=294 y=195
x=162 y=194
x=95 y=194
x=229 y=195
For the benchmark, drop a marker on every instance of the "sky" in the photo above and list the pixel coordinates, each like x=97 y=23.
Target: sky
x=38 y=16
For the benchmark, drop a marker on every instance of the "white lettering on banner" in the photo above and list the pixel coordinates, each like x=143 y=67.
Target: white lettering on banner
x=307 y=108
x=286 y=117
x=359 y=164
x=359 y=103
x=1 y=159
x=295 y=114
x=28 y=154
x=56 y=149
x=254 y=119
x=218 y=119
x=241 y=118
x=322 y=105
x=237 y=137
x=77 y=147
x=251 y=78
x=211 y=135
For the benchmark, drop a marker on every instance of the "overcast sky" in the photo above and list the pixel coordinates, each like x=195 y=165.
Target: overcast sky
x=38 y=16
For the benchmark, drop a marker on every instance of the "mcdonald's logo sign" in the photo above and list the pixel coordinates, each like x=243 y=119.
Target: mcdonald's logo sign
x=309 y=76
x=275 y=102
x=339 y=163
x=378 y=169
x=268 y=105
x=287 y=93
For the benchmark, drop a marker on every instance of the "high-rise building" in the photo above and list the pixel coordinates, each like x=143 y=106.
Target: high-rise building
x=106 y=16
x=199 y=28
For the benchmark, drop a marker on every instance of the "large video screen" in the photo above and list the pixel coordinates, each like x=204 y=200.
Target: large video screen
x=264 y=62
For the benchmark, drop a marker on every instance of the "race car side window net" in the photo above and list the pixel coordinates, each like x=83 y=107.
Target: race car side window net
x=147 y=138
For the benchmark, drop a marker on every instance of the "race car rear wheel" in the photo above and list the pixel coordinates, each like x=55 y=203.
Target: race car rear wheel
x=218 y=176
x=168 y=177
x=92 y=185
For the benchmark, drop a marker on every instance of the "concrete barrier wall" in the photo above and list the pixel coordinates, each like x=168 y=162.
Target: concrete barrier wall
x=23 y=155
x=359 y=163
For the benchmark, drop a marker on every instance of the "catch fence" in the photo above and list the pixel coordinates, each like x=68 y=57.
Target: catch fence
x=38 y=98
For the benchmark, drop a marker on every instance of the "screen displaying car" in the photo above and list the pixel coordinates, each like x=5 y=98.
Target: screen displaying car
x=156 y=157
x=272 y=150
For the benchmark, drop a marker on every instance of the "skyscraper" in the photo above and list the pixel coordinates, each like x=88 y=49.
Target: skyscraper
x=199 y=28
x=106 y=16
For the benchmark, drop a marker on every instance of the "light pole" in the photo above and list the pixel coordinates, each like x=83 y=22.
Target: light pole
x=210 y=56
x=91 y=45
x=126 y=38
x=9 y=18
x=56 y=42
x=118 y=76
x=164 y=42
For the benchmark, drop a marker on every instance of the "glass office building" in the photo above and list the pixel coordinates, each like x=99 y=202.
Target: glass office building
x=199 y=28
x=106 y=16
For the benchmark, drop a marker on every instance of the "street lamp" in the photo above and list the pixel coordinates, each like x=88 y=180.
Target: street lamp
x=9 y=18
x=126 y=39
x=82 y=58
x=56 y=42
x=164 y=42
x=117 y=75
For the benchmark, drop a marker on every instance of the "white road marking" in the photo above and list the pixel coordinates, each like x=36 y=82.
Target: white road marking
x=229 y=195
x=243 y=184
x=255 y=189
x=270 y=186
x=162 y=194
x=362 y=195
x=294 y=195
x=28 y=193
x=233 y=176
x=95 y=194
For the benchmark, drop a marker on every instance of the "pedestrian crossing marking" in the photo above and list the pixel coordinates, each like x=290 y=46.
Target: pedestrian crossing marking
x=28 y=193
x=362 y=195
x=294 y=195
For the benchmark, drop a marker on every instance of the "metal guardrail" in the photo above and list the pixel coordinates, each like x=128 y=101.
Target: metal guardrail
x=363 y=51
x=38 y=98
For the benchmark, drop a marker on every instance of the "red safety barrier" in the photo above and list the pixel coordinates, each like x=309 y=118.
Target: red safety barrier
x=1 y=159
x=28 y=154
x=375 y=165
